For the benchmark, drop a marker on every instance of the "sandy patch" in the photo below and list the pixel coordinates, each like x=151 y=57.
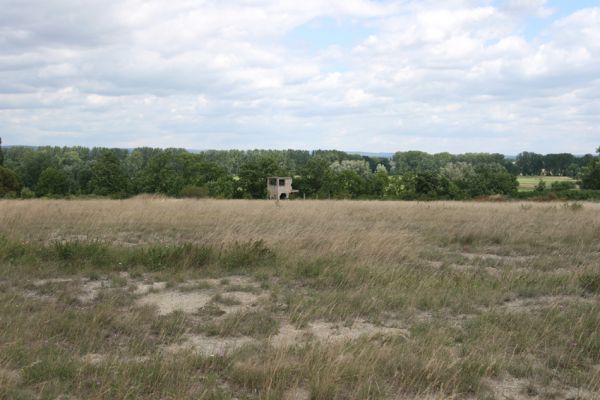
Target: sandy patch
x=288 y=335
x=94 y=358
x=209 y=345
x=330 y=332
x=465 y=268
x=540 y=303
x=194 y=295
x=90 y=290
x=234 y=280
x=486 y=256
x=521 y=389
x=246 y=300
x=43 y=282
x=169 y=301
x=98 y=358
x=296 y=394
x=9 y=377
x=144 y=288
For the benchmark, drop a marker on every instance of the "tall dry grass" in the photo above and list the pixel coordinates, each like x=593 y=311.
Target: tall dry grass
x=368 y=230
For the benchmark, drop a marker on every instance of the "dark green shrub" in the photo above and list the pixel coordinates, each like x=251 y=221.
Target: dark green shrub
x=562 y=185
x=590 y=176
x=9 y=183
x=541 y=186
x=86 y=252
x=52 y=182
x=192 y=191
x=9 y=250
x=27 y=193
x=160 y=257
x=590 y=282
x=244 y=255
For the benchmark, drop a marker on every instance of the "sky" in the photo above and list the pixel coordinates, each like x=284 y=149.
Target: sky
x=357 y=75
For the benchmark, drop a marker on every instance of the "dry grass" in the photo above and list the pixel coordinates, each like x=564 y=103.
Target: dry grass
x=317 y=299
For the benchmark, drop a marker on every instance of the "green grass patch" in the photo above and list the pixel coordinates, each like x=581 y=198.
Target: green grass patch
x=529 y=183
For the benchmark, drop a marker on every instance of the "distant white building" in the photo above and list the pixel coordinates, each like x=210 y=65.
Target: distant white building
x=279 y=187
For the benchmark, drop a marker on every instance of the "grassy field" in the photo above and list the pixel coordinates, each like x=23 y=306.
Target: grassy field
x=528 y=183
x=152 y=298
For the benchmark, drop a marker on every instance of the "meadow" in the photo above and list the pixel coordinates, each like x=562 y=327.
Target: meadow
x=528 y=183
x=155 y=298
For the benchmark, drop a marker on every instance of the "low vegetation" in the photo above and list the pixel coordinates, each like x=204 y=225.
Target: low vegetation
x=155 y=298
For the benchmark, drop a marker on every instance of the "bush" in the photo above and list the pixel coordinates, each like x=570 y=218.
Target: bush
x=541 y=186
x=9 y=183
x=27 y=193
x=590 y=177
x=562 y=185
x=52 y=182
x=160 y=257
x=192 y=191
x=243 y=255
x=590 y=282
x=79 y=252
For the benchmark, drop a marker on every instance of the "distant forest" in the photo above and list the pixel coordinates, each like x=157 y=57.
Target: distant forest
x=232 y=174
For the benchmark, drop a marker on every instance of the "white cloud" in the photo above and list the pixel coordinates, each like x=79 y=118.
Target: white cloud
x=528 y=7
x=221 y=74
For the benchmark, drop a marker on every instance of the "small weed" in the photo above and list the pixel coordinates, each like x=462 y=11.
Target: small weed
x=246 y=255
x=590 y=282
x=87 y=252
x=163 y=257
x=244 y=323
x=171 y=326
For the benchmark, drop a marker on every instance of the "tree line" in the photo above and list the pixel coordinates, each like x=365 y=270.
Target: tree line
x=79 y=171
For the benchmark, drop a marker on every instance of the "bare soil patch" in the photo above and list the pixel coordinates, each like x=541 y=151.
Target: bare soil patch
x=540 y=303
x=194 y=295
x=487 y=256
x=296 y=394
x=331 y=332
x=520 y=389
x=172 y=300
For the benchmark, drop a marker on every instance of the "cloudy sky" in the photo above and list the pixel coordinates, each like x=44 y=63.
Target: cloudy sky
x=370 y=75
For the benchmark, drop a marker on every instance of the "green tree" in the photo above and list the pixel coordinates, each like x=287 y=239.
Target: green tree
x=52 y=181
x=171 y=170
x=1 y=154
x=430 y=183
x=415 y=162
x=379 y=180
x=361 y=167
x=9 y=182
x=493 y=178
x=460 y=176
x=254 y=173
x=108 y=177
x=312 y=176
x=590 y=175
x=34 y=162
x=226 y=187
x=530 y=163
x=344 y=183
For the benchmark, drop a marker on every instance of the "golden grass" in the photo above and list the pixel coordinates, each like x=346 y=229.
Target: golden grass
x=369 y=230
